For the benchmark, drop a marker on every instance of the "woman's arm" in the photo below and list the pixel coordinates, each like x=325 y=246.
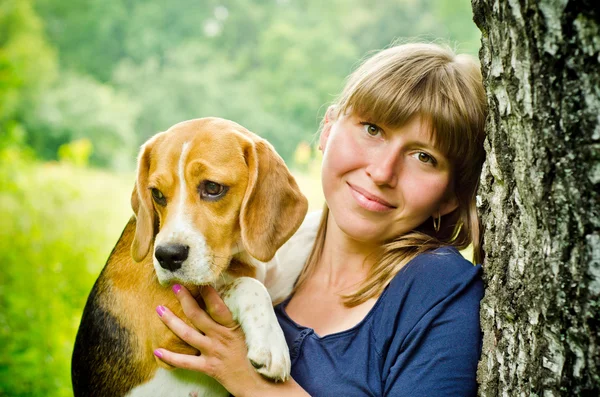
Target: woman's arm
x=222 y=345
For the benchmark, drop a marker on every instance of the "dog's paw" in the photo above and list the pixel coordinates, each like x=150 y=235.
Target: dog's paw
x=268 y=353
x=251 y=306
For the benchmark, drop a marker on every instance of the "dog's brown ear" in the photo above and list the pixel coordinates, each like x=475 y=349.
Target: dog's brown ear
x=273 y=207
x=141 y=203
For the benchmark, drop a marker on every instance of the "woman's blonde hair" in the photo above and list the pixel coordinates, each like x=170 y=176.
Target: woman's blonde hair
x=445 y=89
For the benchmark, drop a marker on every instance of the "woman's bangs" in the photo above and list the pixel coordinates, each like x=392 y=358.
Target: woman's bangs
x=448 y=133
x=378 y=103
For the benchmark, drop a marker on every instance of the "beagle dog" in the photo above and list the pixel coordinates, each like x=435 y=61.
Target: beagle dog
x=213 y=203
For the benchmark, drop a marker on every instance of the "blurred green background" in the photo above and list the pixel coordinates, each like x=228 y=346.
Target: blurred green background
x=84 y=82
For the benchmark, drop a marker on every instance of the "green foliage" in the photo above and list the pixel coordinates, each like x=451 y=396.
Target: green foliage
x=55 y=234
x=77 y=152
x=90 y=34
x=78 y=107
x=27 y=62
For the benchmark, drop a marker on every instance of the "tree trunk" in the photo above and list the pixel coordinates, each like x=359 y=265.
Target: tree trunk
x=539 y=197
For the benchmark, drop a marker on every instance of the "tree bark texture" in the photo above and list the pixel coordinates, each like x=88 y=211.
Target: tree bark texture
x=539 y=197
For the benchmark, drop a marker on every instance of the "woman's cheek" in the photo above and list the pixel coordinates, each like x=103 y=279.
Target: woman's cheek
x=427 y=191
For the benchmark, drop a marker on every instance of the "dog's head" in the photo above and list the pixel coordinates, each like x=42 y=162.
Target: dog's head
x=206 y=190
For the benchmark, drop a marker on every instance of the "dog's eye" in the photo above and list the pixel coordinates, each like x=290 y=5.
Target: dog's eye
x=158 y=196
x=212 y=191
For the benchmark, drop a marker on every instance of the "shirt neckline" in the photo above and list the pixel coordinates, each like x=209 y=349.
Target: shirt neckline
x=354 y=328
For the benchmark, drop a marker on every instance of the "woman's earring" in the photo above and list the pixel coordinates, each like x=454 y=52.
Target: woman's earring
x=437 y=222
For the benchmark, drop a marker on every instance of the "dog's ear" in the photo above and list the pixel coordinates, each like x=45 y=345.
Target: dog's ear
x=273 y=207
x=141 y=203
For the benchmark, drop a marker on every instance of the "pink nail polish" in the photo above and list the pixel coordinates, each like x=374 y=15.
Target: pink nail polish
x=176 y=288
x=157 y=353
x=160 y=310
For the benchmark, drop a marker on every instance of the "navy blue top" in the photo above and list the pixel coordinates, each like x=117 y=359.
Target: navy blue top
x=421 y=338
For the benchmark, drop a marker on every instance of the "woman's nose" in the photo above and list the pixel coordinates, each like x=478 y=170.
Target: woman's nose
x=383 y=169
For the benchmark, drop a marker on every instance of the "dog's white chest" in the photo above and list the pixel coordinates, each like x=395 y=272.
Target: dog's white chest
x=179 y=383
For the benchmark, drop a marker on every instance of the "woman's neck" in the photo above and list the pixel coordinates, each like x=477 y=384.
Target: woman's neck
x=345 y=262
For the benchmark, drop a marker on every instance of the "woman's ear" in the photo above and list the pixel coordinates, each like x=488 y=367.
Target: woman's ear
x=328 y=120
x=449 y=204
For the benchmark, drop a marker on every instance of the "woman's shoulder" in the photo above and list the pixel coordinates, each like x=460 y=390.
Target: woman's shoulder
x=444 y=266
x=429 y=282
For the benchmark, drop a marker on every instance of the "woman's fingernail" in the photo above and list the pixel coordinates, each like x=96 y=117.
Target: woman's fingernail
x=157 y=353
x=160 y=310
x=176 y=288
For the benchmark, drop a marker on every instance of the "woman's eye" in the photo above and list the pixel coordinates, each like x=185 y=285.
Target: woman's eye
x=212 y=191
x=158 y=197
x=425 y=158
x=371 y=129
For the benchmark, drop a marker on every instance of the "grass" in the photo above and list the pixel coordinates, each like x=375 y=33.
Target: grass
x=57 y=227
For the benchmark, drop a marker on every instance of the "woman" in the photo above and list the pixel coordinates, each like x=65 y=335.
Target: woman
x=385 y=304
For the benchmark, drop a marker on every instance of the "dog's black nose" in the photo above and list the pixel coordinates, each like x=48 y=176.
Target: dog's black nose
x=171 y=256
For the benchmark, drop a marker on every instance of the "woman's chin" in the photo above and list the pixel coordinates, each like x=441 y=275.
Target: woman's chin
x=364 y=230
x=363 y=233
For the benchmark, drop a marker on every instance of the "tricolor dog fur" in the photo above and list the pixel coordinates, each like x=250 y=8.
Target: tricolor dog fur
x=213 y=203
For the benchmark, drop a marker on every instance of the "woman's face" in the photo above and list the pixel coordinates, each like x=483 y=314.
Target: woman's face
x=381 y=182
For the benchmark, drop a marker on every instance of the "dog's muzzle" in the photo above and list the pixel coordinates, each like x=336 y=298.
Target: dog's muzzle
x=171 y=256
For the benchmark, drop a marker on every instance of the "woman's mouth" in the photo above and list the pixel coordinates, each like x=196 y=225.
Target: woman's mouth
x=369 y=201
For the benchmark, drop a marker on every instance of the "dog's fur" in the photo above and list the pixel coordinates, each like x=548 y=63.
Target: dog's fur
x=229 y=237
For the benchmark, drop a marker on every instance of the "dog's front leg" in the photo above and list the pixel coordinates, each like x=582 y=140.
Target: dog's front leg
x=251 y=306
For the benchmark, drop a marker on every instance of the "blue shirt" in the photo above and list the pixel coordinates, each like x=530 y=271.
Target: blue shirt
x=421 y=338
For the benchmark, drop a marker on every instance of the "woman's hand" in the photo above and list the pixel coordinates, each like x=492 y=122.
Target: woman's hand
x=219 y=339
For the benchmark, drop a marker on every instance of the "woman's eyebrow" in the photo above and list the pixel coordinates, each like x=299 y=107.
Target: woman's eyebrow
x=425 y=143
x=431 y=147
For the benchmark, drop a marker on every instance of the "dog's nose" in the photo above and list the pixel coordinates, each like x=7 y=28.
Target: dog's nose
x=171 y=256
